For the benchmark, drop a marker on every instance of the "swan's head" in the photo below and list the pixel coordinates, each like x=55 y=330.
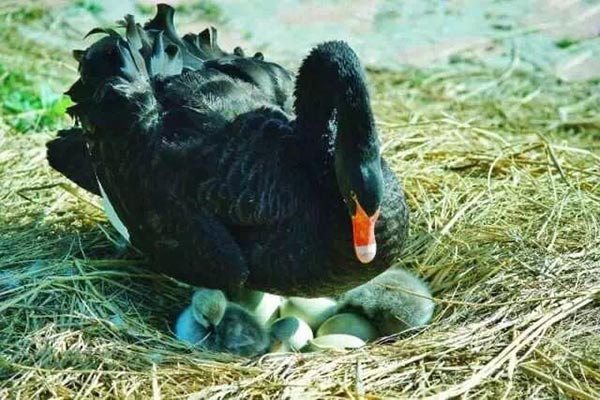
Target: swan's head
x=208 y=307
x=361 y=185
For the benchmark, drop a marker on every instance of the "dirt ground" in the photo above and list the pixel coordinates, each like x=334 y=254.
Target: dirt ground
x=561 y=37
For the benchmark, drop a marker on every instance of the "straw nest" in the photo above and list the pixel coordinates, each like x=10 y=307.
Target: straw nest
x=502 y=172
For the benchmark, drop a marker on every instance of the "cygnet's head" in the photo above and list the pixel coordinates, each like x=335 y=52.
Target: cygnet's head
x=208 y=307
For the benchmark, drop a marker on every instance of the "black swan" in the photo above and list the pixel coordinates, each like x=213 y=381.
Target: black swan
x=226 y=173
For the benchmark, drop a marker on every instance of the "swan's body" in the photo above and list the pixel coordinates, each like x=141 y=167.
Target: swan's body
x=213 y=177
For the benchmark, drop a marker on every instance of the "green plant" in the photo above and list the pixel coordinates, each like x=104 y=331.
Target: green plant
x=26 y=106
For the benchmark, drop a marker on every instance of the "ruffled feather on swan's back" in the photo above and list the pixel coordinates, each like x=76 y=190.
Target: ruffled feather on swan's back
x=132 y=63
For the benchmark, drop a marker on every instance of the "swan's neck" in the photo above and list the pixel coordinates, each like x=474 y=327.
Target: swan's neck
x=334 y=115
x=332 y=102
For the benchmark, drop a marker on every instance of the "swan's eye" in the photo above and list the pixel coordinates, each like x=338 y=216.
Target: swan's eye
x=351 y=196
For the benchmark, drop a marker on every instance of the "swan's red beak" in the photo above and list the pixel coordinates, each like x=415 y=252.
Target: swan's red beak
x=363 y=233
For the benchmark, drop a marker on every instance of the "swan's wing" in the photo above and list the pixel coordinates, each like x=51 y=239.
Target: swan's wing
x=122 y=85
x=175 y=144
x=248 y=174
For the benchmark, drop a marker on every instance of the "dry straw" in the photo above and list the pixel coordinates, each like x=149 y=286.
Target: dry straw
x=502 y=170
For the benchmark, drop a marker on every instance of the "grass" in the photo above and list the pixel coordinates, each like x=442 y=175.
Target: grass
x=91 y=6
x=27 y=107
x=502 y=171
x=32 y=77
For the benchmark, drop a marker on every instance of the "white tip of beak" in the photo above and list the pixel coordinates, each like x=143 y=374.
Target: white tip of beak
x=366 y=254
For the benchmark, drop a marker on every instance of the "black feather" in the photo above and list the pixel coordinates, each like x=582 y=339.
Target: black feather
x=68 y=154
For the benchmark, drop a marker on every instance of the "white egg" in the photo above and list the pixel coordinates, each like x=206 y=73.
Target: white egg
x=264 y=306
x=350 y=324
x=267 y=309
x=313 y=311
x=335 y=342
